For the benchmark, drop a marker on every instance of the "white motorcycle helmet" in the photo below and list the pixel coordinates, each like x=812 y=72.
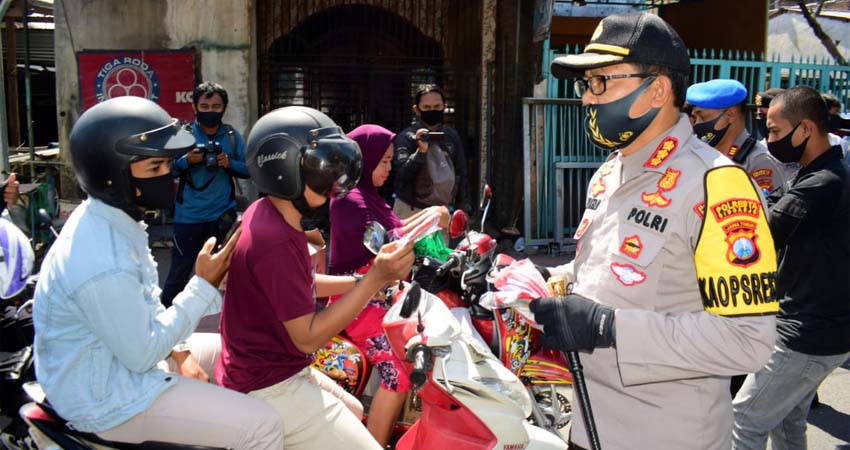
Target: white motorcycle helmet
x=16 y=259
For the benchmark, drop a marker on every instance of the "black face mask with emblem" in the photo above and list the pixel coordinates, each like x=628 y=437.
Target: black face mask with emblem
x=608 y=125
x=705 y=131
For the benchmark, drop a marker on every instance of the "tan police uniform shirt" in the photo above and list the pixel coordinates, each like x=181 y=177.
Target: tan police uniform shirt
x=690 y=311
x=766 y=170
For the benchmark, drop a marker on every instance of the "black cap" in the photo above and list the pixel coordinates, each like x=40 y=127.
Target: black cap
x=622 y=38
x=763 y=98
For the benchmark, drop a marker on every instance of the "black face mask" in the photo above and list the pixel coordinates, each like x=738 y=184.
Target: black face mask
x=156 y=192
x=432 y=117
x=317 y=217
x=785 y=151
x=210 y=119
x=609 y=126
x=705 y=131
x=761 y=126
x=834 y=122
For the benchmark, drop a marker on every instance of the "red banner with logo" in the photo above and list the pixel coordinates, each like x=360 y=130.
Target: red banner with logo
x=166 y=77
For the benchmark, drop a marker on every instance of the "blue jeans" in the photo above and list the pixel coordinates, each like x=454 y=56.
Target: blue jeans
x=189 y=238
x=775 y=400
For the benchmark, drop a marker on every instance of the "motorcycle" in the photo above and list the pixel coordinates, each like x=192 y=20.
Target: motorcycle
x=343 y=360
x=458 y=278
x=470 y=400
x=16 y=328
x=460 y=281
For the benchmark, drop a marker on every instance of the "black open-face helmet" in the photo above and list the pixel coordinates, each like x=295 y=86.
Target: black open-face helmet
x=110 y=135
x=295 y=146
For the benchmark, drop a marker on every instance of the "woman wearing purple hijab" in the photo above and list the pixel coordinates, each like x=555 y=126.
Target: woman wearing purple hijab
x=349 y=218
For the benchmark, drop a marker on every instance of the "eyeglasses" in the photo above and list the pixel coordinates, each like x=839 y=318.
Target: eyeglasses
x=597 y=84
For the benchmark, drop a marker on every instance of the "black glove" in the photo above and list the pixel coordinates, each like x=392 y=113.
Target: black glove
x=574 y=323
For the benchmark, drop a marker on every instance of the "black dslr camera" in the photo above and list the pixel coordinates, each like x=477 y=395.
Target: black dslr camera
x=432 y=136
x=211 y=151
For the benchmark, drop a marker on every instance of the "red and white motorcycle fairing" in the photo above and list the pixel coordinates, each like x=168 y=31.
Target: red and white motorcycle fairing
x=470 y=401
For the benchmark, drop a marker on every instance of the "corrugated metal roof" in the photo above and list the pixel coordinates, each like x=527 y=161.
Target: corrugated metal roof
x=42 y=51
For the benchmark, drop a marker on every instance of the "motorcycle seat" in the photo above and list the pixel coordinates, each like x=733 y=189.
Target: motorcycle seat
x=49 y=422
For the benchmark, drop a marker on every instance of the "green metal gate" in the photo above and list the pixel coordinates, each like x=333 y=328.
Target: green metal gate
x=559 y=159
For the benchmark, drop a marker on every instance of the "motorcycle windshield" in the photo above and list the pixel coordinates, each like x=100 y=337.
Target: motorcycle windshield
x=440 y=325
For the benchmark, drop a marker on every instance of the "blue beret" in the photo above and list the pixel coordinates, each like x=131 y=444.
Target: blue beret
x=717 y=94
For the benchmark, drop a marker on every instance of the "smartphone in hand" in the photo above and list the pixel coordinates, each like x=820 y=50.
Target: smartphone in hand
x=230 y=232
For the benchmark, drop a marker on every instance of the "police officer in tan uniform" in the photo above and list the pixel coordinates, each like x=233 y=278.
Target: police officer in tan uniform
x=673 y=284
x=762 y=101
x=719 y=110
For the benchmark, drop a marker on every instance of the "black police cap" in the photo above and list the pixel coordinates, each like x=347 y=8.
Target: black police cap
x=627 y=38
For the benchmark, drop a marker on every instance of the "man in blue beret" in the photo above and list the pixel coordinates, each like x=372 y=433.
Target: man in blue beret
x=720 y=121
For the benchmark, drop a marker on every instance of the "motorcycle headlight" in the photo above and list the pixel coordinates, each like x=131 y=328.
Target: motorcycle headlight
x=513 y=389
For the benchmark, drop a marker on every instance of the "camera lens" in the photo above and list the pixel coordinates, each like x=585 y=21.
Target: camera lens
x=210 y=160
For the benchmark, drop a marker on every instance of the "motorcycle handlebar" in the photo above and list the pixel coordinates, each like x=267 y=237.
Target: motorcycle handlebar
x=453 y=261
x=420 y=355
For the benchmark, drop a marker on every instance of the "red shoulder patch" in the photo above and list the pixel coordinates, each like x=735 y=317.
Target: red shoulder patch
x=736 y=207
x=699 y=208
x=662 y=152
x=758 y=173
x=733 y=151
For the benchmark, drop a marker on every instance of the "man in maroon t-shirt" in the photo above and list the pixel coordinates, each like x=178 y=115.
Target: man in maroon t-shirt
x=269 y=323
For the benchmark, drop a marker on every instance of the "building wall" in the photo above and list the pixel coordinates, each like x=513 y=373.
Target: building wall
x=717 y=24
x=790 y=36
x=720 y=24
x=517 y=61
x=225 y=49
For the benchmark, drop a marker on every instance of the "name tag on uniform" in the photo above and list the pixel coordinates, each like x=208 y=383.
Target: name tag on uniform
x=648 y=219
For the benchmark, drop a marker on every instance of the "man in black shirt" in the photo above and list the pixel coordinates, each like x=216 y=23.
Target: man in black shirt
x=414 y=187
x=809 y=224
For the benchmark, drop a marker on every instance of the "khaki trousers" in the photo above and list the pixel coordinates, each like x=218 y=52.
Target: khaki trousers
x=315 y=416
x=196 y=413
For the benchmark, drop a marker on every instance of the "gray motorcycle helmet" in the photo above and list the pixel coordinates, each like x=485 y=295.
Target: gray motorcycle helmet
x=295 y=146
x=112 y=134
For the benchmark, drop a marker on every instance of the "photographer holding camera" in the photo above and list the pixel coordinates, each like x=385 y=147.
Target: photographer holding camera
x=206 y=195
x=429 y=164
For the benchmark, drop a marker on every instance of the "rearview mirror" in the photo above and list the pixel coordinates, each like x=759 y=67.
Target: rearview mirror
x=458 y=224
x=374 y=237
x=411 y=300
x=44 y=219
